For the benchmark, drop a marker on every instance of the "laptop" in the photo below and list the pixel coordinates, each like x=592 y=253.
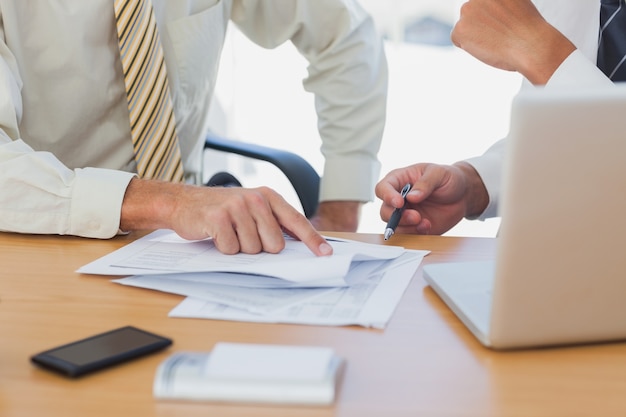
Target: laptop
x=559 y=272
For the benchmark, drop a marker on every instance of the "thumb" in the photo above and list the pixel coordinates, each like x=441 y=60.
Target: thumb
x=432 y=178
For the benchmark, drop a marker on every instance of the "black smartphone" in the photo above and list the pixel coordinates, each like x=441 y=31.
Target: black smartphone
x=100 y=351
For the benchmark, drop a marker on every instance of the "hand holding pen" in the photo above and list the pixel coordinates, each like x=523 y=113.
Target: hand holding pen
x=394 y=220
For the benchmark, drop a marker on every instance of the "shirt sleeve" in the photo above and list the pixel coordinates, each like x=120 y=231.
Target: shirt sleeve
x=575 y=72
x=348 y=75
x=489 y=167
x=38 y=194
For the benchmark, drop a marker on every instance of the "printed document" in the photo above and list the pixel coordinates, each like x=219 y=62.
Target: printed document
x=360 y=284
x=164 y=252
x=370 y=303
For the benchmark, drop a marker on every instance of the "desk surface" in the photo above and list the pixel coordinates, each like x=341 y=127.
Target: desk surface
x=424 y=363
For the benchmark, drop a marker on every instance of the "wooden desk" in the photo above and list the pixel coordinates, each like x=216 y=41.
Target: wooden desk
x=424 y=364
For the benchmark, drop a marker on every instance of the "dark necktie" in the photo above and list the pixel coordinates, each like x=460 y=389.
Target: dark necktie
x=612 y=39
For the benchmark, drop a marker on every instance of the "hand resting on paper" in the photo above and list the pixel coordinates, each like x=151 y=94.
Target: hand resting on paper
x=238 y=219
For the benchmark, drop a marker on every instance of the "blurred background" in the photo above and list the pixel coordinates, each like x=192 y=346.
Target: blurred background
x=443 y=104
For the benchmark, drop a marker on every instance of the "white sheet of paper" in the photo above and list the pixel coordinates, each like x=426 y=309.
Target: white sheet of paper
x=254 y=300
x=163 y=252
x=357 y=271
x=236 y=280
x=259 y=299
x=369 y=303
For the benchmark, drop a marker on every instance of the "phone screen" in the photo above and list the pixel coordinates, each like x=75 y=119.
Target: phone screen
x=101 y=350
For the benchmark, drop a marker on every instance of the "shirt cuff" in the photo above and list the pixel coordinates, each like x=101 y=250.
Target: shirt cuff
x=577 y=70
x=349 y=180
x=97 y=202
x=489 y=168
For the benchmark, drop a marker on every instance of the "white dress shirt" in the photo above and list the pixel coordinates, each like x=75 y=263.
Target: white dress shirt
x=65 y=150
x=579 y=21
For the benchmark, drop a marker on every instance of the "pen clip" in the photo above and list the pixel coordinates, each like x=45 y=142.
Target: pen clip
x=405 y=190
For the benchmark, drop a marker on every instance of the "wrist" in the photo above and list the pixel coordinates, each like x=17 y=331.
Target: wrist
x=549 y=49
x=476 y=197
x=148 y=204
x=338 y=216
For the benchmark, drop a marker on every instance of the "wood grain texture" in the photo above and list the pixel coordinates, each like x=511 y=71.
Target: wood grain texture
x=425 y=363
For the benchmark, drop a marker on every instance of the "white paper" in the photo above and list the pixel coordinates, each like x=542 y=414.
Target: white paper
x=254 y=300
x=163 y=252
x=357 y=271
x=216 y=287
x=369 y=303
x=238 y=280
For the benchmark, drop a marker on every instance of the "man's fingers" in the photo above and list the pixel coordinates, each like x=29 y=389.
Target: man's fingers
x=226 y=240
x=267 y=227
x=297 y=225
x=432 y=178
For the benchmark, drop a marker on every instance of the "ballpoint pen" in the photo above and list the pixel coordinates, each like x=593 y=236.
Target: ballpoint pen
x=397 y=214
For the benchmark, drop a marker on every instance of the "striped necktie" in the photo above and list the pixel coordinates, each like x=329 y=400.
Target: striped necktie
x=612 y=39
x=152 y=123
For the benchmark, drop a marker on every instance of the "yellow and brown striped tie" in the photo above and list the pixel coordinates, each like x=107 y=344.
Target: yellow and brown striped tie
x=152 y=123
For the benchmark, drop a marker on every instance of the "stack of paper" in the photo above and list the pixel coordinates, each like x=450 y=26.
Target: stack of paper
x=359 y=284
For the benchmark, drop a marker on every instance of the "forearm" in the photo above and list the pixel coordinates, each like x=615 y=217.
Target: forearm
x=351 y=107
x=348 y=75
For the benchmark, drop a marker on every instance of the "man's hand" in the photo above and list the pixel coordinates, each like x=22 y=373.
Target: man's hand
x=337 y=216
x=511 y=35
x=238 y=219
x=441 y=196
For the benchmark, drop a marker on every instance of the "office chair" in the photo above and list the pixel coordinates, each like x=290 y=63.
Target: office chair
x=301 y=175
